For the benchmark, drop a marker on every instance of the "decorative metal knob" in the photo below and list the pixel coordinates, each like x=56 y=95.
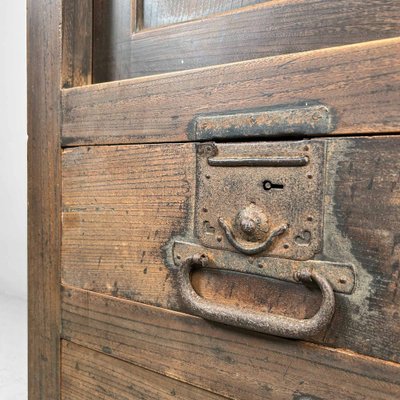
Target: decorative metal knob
x=248 y=226
x=251 y=225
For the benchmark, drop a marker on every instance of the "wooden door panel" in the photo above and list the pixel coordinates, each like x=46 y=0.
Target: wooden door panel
x=233 y=363
x=123 y=204
x=266 y=29
x=88 y=374
x=156 y=13
x=362 y=100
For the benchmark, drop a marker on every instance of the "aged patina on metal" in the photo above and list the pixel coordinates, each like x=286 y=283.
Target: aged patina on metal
x=279 y=186
x=259 y=210
x=339 y=275
x=261 y=322
x=278 y=121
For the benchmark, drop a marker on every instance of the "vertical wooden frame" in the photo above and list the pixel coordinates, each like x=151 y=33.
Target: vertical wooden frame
x=137 y=20
x=59 y=54
x=77 y=43
x=44 y=197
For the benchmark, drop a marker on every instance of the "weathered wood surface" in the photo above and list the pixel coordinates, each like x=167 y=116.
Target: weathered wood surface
x=88 y=374
x=267 y=29
x=77 y=43
x=362 y=225
x=157 y=13
x=363 y=99
x=122 y=205
x=44 y=197
x=233 y=363
x=143 y=194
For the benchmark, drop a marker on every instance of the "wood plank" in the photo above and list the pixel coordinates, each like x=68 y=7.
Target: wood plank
x=166 y=12
x=363 y=100
x=87 y=374
x=123 y=204
x=77 y=43
x=233 y=363
x=44 y=197
x=268 y=29
x=95 y=184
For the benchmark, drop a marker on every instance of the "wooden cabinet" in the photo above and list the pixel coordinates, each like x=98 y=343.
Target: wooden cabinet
x=214 y=199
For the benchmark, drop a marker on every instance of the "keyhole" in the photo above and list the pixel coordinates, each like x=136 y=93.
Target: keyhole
x=268 y=185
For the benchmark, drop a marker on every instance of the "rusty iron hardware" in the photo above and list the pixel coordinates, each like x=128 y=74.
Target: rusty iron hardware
x=250 y=221
x=340 y=276
x=259 y=162
x=278 y=121
x=259 y=211
x=260 y=322
x=259 y=198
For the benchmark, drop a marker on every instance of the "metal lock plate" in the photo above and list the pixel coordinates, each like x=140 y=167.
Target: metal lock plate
x=261 y=198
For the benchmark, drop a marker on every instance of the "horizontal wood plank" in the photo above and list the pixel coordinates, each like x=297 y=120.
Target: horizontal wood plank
x=236 y=364
x=123 y=204
x=359 y=83
x=88 y=374
x=267 y=29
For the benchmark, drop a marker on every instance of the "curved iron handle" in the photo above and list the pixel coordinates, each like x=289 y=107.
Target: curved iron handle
x=250 y=250
x=265 y=323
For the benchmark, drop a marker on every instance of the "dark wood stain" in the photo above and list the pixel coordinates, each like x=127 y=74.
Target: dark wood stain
x=88 y=374
x=365 y=178
x=77 y=43
x=364 y=100
x=229 y=362
x=44 y=195
x=102 y=214
x=267 y=29
x=158 y=13
x=155 y=184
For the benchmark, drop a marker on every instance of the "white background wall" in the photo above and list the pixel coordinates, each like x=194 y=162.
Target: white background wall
x=13 y=136
x=13 y=202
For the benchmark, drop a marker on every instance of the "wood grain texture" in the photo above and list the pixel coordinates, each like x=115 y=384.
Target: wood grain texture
x=88 y=374
x=364 y=99
x=44 y=197
x=362 y=225
x=122 y=205
x=143 y=193
x=157 y=13
x=268 y=29
x=77 y=43
x=233 y=363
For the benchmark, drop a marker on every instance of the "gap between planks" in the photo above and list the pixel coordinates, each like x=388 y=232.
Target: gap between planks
x=345 y=352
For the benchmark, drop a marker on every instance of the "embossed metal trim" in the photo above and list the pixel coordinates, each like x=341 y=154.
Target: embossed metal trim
x=254 y=248
x=282 y=180
x=305 y=120
x=259 y=162
x=340 y=276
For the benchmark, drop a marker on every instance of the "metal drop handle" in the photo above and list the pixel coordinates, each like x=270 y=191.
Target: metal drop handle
x=261 y=322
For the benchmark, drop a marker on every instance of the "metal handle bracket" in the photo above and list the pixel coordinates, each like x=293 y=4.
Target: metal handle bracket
x=261 y=322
